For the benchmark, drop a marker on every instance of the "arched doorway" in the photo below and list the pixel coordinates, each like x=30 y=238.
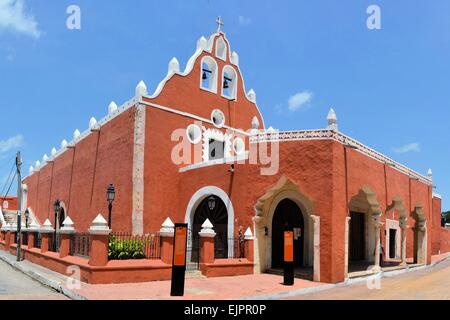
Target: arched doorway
x=214 y=209
x=287 y=215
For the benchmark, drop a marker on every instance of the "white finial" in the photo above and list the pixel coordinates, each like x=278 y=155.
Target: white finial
x=207 y=230
x=332 y=120
x=112 y=107
x=219 y=23
x=45 y=158
x=235 y=58
x=141 y=89
x=37 y=165
x=76 y=134
x=63 y=144
x=53 y=151
x=202 y=43
x=174 y=66
x=248 y=235
x=251 y=95
x=31 y=169
x=430 y=174
x=67 y=226
x=47 y=227
x=167 y=228
x=92 y=123
x=99 y=225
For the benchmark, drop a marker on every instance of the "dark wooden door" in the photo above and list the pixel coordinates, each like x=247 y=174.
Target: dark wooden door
x=357 y=237
x=392 y=237
x=287 y=215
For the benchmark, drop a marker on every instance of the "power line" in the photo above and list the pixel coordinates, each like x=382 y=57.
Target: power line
x=9 y=188
x=7 y=180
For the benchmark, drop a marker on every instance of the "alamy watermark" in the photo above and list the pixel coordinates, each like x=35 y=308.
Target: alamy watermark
x=374 y=20
x=73 y=21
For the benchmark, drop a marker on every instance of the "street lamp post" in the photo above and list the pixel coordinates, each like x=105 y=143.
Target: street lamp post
x=110 y=196
x=57 y=207
x=27 y=216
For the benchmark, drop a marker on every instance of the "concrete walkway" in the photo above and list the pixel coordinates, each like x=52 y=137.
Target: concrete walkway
x=261 y=286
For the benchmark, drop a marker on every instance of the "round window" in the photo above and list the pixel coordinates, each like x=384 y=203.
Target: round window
x=238 y=146
x=194 y=133
x=218 y=118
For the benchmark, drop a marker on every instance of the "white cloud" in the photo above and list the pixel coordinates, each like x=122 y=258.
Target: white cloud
x=410 y=147
x=244 y=21
x=11 y=143
x=14 y=17
x=300 y=100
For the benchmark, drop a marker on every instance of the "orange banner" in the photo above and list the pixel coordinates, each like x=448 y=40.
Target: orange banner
x=180 y=246
x=288 y=246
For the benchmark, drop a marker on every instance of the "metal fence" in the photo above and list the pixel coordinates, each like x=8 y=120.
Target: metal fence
x=222 y=248
x=37 y=240
x=54 y=242
x=25 y=238
x=80 y=245
x=124 y=246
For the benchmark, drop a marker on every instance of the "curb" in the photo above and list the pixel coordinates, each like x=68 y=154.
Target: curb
x=348 y=282
x=55 y=285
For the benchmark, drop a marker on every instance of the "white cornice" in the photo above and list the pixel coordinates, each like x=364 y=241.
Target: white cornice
x=325 y=134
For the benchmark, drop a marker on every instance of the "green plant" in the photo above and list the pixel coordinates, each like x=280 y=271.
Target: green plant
x=125 y=249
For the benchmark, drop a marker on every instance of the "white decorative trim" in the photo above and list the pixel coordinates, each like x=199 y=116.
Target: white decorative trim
x=325 y=134
x=202 y=194
x=214 y=162
x=436 y=195
x=234 y=80
x=217 y=135
x=223 y=45
x=213 y=76
x=238 y=146
x=138 y=170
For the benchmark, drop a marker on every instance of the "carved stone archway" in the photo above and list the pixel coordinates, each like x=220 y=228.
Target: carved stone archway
x=265 y=208
x=397 y=205
x=366 y=202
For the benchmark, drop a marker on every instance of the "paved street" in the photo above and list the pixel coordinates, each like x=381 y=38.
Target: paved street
x=14 y=285
x=431 y=284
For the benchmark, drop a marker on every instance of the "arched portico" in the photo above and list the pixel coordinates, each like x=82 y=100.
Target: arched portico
x=362 y=235
x=266 y=207
x=401 y=225
x=201 y=195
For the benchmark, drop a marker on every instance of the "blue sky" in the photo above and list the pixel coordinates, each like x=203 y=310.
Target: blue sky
x=389 y=87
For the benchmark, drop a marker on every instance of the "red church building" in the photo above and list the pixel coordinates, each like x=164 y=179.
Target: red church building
x=197 y=148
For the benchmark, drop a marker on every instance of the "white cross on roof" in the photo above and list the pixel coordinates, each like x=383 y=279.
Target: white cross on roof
x=219 y=23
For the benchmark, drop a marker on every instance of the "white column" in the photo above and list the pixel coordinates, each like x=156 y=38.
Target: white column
x=316 y=247
x=377 y=226
x=404 y=228
x=347 y=234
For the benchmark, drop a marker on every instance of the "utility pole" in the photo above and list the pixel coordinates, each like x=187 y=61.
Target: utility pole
x=19 y=211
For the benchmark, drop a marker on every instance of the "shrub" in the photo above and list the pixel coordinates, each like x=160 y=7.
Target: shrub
x=125 y=249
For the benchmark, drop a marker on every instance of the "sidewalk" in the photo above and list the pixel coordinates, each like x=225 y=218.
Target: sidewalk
x=261 y=286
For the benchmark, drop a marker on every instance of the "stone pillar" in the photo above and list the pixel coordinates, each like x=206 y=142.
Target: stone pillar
x=316 y=247
x=167 y=233
x=404 y=228
x=32 y=233
x=421 y=243
x=66 y=233
x=207 y=235
x=46 y=230
x=347 y=240
x=99 y=234
x=7 y=237
x=377 y=227
x=249 y=245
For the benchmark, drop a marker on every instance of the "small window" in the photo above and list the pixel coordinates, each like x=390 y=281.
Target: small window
x=194 y=133
x=238 y=146
x=229 y=83
x=221 y=49
x=208 y=74
x=218 y=118
x=216 y=149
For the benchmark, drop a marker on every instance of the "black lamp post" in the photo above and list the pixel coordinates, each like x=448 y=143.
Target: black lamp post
x=110 y=196
x=27 y=216
x=57 y=207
